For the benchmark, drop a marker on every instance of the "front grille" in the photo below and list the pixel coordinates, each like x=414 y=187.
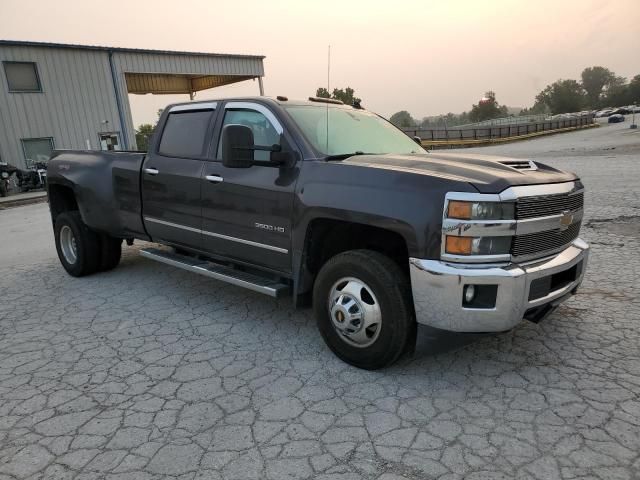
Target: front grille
x=541 y=242
x=532 y=207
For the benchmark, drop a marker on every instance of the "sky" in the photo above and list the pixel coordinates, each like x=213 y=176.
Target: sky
x=428 y=57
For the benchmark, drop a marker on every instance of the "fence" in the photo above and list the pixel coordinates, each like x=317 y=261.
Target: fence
x=457 y=136
x=512 y=120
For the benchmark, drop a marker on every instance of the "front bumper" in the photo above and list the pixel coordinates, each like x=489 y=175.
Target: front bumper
x=438 y=291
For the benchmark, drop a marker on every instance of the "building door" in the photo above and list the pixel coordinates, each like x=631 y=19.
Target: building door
x=110 y=141
x=246 y=212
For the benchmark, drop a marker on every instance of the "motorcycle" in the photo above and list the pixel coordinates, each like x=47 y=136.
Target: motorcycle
x=6 y=170
x=33 y=178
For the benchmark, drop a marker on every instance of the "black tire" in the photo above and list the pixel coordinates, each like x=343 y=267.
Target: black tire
x=111 y=251
x=3 y=188
x=390 y=287
x=87 y=245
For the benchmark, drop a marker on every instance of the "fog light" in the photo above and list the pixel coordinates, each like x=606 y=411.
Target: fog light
x=469 y=293
x=479 y=296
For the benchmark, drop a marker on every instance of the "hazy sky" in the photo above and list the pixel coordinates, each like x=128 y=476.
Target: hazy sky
x=428 y=57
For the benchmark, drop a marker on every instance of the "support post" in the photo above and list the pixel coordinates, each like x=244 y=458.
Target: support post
x=261 y=86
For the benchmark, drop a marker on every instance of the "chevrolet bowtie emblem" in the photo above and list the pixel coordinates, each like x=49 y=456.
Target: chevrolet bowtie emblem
x=566 y=219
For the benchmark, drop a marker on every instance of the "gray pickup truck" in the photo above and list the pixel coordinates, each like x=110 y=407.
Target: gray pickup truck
x=334 y=206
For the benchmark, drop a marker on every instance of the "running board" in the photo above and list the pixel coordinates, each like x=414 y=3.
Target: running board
x=268 y=286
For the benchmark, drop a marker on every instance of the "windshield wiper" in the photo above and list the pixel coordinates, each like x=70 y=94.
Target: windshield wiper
x=344 y=156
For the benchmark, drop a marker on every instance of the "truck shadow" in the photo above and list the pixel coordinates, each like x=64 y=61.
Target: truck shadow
x=432 y=341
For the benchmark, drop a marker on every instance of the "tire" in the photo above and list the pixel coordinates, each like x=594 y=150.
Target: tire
x=111 y=251
x=3 y=188
x=384 y=301
x=78 y=247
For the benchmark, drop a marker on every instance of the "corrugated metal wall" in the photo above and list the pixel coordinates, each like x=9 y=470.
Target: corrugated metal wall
x=78 y=95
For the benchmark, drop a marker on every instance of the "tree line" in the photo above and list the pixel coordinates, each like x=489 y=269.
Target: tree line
x=598 y=87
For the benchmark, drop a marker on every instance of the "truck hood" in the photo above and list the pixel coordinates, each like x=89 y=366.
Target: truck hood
x=487 y=173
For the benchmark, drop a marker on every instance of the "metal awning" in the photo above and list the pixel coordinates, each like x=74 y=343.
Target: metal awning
x=163 y=83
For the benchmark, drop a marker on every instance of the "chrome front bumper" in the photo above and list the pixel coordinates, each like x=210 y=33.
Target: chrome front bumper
x=438 y=290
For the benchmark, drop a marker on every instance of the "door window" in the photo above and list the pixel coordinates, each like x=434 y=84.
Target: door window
x=264 y=132
x=184 y=134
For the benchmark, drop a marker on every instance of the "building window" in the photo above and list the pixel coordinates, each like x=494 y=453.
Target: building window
x=37 y=150
x=22 y=76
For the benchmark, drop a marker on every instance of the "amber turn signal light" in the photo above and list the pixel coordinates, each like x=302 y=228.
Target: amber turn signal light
x=458 y=245
x=460 y=210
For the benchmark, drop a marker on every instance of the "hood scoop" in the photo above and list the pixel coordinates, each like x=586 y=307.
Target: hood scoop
x=520 y=164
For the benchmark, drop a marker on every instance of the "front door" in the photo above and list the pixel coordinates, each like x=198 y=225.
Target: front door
x=171 y=176
x=246 y=212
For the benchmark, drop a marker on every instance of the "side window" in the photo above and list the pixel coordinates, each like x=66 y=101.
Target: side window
x=184 y=134
x=263 y=131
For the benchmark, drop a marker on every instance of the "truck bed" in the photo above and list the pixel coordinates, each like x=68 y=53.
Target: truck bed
x=106 y=186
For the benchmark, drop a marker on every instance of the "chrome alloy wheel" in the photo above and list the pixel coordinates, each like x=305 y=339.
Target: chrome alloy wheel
x=68 y=245
x=355 y=312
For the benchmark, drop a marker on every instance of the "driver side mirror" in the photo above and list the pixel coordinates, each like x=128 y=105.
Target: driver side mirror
x=238 y=148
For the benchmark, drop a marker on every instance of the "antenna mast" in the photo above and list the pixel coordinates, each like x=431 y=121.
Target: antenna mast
x=328 y=92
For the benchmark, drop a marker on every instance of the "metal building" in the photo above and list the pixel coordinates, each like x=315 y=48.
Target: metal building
x=76 y=96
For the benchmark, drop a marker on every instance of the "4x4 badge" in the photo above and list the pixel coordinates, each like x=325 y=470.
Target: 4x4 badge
x=566 y=219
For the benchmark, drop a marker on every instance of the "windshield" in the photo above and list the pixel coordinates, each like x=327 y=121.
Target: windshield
x=350 y=131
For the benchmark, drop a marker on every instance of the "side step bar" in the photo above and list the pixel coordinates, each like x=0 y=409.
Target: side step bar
x=268 y=286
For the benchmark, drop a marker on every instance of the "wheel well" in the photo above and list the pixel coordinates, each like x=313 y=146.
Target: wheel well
x=61 y=199
x=326 y=238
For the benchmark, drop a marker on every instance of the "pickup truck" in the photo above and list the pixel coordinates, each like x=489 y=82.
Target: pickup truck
x=334 y=206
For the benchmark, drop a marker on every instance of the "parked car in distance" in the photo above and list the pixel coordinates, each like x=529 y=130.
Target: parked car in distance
x=604 y=113
x=336 y=208
x=616 y=118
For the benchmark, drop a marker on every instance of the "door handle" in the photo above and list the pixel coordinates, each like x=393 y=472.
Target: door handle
x=214 y=178
x=151 y=171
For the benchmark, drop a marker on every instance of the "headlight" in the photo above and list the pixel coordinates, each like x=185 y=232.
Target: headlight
x=480 y=210
x=5 y=174
x=477 y=245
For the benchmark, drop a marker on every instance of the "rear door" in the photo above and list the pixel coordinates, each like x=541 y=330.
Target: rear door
x=171 y=176
x=247 y=211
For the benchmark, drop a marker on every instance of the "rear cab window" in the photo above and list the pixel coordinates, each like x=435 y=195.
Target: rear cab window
x=185 y=133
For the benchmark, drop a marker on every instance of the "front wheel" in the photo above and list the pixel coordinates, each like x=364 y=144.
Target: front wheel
x=3 y=188
x=363 y=308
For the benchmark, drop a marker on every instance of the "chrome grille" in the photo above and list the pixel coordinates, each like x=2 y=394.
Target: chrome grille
x=541 y=242
x=543 y=206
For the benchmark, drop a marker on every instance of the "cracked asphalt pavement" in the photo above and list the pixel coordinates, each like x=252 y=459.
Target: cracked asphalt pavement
x=148 y=372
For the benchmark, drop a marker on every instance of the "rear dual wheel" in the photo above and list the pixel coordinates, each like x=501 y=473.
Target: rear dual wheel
x=363 y=308
x=81 y=250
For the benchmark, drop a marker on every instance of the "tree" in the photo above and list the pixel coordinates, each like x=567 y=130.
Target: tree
x=617 y=93
x=346 y=95
x=634 y=90
x=144 y=132
x=323 y=93
x=487 y=108
x=562 y=96
x=594 y=79
x=402 y=119
x=143 y=135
